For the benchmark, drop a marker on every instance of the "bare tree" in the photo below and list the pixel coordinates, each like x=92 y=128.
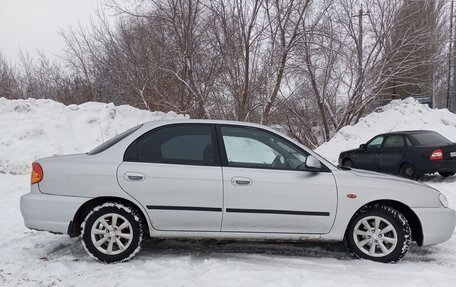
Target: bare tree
x=415 y=43
x=9 y=87
x=344 y=62
x=284 y=25
x=238 y=33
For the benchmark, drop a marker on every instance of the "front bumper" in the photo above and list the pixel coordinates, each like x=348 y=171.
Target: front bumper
x=49 y=212
x=438 y=224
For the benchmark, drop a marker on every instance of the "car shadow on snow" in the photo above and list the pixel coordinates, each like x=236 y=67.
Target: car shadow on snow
x=226 y=249
x=206 y=249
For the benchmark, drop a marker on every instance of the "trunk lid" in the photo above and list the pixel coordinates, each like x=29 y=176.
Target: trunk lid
x=449 y=151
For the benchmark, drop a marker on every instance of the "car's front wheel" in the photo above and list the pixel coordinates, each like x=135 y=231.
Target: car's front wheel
x=379 y=233
x=112 y=232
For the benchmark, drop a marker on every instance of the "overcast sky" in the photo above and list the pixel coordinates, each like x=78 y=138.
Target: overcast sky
x=33 y=24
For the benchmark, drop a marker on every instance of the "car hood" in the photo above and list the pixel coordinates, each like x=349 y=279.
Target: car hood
x=372 y=174
x=350 y=151
x=372 y=186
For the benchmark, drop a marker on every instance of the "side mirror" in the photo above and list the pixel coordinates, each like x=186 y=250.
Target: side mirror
x=362 y=146
x=313 y=163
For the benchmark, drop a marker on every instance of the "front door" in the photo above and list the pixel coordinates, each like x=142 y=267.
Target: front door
x=367 y=158
x=267 y=187
x=174 y=172
x=392 y=153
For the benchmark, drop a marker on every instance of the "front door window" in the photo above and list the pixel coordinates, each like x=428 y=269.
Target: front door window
x=253 y=148
x=375 y=143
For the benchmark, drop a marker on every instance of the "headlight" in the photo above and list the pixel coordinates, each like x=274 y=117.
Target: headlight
x=443 y=200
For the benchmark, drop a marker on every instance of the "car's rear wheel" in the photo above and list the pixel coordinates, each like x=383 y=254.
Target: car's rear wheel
x=379 y=233
x=409 y=171
x=112 y=232
x=447 y=173
x=347 y=163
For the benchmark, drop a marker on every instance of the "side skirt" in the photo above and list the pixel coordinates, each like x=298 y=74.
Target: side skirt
x=243 y=236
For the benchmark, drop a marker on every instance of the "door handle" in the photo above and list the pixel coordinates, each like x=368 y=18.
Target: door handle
x=135 y=176
x=241 y=181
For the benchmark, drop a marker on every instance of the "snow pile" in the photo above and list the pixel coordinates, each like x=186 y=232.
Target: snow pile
x=399 y=115
x=31 y=129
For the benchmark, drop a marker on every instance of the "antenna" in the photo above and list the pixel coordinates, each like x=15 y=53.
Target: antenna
x=395 y=126
x=101 y=131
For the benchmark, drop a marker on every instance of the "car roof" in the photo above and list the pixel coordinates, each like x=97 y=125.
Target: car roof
x=122 y=145
x=409 y=132
x=201 y=121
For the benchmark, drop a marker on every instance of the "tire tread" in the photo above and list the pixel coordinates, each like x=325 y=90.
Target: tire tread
x=397 y=254
x=129 y=209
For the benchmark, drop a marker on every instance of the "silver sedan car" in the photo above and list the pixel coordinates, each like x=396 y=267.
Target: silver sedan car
x=223 y=179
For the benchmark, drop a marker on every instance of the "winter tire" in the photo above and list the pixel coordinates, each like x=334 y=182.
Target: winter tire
x=379 y=233
x=447 y=173
x=112 y=232
x=409 y=171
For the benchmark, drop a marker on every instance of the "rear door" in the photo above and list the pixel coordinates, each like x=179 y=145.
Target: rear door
x=268 y=189
x=174 y=171
x=367 y=158
x=392 y=153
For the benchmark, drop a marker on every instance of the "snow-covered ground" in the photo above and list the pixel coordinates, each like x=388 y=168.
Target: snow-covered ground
x=35 y=128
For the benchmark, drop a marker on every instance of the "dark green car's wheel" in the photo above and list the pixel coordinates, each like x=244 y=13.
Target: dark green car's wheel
x=409 y=171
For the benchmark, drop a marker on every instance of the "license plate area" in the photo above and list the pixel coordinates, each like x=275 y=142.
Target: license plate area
x=453 y=154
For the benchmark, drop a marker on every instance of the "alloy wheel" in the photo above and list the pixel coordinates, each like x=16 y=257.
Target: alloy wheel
x=375 y=236
x=111 y=234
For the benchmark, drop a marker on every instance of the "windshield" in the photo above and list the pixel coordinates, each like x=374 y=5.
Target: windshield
x=104 y=146
x=430 y=138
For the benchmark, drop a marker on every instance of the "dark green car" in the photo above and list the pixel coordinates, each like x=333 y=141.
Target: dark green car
x=410 y=154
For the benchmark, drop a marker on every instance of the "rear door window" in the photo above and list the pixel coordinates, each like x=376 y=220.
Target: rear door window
x=394 y=141
x=175 y=144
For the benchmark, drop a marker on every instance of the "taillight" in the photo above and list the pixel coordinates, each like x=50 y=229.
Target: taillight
x=37 y=173
x=436 y=154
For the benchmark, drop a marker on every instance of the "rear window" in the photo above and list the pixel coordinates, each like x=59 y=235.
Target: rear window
x=104 y=146
x=430 y=138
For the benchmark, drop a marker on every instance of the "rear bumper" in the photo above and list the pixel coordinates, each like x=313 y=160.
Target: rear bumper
x=437 y=223
x=444 y=165
x=49 y=212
